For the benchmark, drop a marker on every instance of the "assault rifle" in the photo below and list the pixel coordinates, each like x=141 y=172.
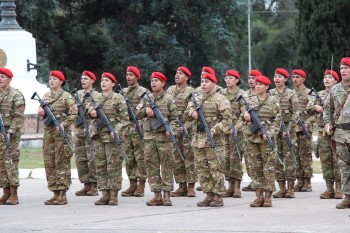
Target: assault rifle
x=204 y=126
x=184 y=132
x=6 y=139
x=131 y=113
x=312 y=90
x=235 y=139
x=289 y=141
x=51 y=119
x=302 y=125
x=161 y=121
x=104 y=121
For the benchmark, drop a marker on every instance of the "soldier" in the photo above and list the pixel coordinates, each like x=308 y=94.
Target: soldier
x=233 y=164
x=56 y=151
x=109 y=157
x=303 y=150
x=135 y=165
x=323 y=150
x=84 y=157
x=12 y=106
x=288 y=102
x=159 y=157
x=208 y=70
x=262 y=157
x=184 y=171
x=217 y=112
x=336 y=118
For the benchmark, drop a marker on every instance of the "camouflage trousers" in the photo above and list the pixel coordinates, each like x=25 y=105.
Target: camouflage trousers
x=303 y=157
x=9 y=174
x=85 y=160
x=211 y=174
x=329 y=160
x=262 y=169
x=246 y=156
x=285 y=171
x=135 y=165
x=344 y=164
x=184 y=170
x=109 y=160
x=159 y=160
x=233 y=165
x=57 y=156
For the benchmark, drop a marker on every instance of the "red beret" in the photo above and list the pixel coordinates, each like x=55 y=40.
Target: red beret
x=135 y=70
x=299 y=72
x=185 y=70
x=90 y=74
x=333 y=73
x=210 y=77
x=263 y=79
x=282 y=72
x=110 y=76
x=6 y=72
x=345 y=61
x=159 y=76
x=254 y=73
x=232 y=73
x=208 y=69
x=57 y=74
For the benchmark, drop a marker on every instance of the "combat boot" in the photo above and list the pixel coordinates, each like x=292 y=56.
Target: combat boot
x=290 y=191
x=268 y=200
x=259 y=200
x=113 y=199
x=140 y=190
x=190 y=190
x=156 y=200
x=329 y=193
x=207 y=200
x=217 y=201
x=93 y=191
x=248 y=188
x=199 y=188
x=131 y=190
x=283 y=190
x=237 y=189
x=84 y=190
x=230 y=189
x=5 y=195
x=299 y=185
x=307 y=185
x=104 y=200
x=181 y=191
x=62 y=198
x=338 y=192
x=13 y=199
x=345 y=203
x=166 y=199
x=50 y=201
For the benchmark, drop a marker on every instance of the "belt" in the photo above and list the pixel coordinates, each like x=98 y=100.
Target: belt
x=345 y=126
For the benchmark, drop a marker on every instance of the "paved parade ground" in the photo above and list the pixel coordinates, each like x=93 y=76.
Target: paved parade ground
x=306 y=213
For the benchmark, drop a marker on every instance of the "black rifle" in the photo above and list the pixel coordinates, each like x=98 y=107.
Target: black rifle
x=161 y=121
x=302 y=125
x=131 y=113
x=6 y=139
x=51 y=119
x=104 y=121
x=184 y=132
x=317 y=96
x=289 y=141
x=235 y=139
x=204 y=126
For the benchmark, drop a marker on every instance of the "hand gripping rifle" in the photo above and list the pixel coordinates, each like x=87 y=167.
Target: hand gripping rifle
x=104 y=121
x=131 y=113
x=51 y=119
x=317 y=96
x=6 y=139
x=161 y=121
x=184 y=132
x=302 y=125
x=235 y=139
x=204 y=126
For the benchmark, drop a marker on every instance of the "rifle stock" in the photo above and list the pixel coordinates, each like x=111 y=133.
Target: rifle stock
x=6 y=139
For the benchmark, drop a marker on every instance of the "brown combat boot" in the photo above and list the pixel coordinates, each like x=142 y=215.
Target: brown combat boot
x=290 y=191
x=199 y=188
x=283 y=190
x=299 y=185
x=156 y=200
x=93 y=191
x=62 y=198
x=131 y=190
x=307 y=185
x=84 y=190
x=5 y=196
x=248 y=188
x=13 y=199
x=230 y=189
x=329 y=193
x=217 y=201
x=181 y=191
x=140 y=190
x=268 y=200
x=104 y=200
x=237 y=189
x=50 y=201
x=345 y=203
x=166 y=199
x=338 y=193
x=259 y=200
x=190 y=190
x=207 y=200
x=113 y=198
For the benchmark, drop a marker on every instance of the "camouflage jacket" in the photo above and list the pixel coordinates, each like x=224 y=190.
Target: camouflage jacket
x=305 y=100
x=235 y=106
x=217 y=89
x=318 y=117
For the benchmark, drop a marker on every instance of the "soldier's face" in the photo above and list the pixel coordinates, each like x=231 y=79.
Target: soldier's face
x=261 y=88
x=329 y=81
x=279 y=80
x=251 y=81
x=86 y=82
x=345 y=72
x=107 y=84
x=4 y=81
x=231 y=81
x=157 y=85
x=207 y=85
x=131 y=78
x=180 y=77
x=298 y=80
x=55 y=82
